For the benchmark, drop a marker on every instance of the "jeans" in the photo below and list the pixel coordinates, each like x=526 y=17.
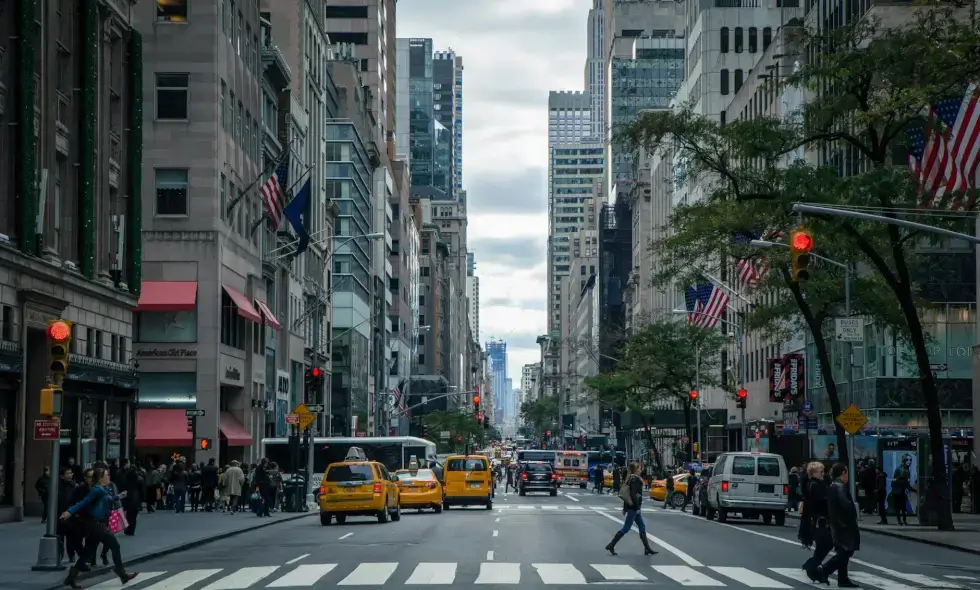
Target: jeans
x=631 y=517
x=180 y=499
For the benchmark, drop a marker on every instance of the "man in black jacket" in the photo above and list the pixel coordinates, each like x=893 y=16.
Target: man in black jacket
x=843 y=527
x=209 y=483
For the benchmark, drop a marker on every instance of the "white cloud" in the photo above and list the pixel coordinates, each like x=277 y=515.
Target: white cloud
x=508 y=225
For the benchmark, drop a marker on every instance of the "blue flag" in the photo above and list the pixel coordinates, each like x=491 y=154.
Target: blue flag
x=295 y=211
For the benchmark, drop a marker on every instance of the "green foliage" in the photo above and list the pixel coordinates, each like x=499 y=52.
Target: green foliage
x=464 y=431
x=540 y=415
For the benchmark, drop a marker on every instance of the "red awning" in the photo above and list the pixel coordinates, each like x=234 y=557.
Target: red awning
x=244 y=306
x=162 y=428
x=167 y=296
x=270 y=319
x=233 y=431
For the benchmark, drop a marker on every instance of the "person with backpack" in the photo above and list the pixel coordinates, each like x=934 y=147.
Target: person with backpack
x=631 y=493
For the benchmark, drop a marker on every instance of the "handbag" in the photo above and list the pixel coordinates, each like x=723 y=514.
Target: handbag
x=625 y=494
x=117 y=522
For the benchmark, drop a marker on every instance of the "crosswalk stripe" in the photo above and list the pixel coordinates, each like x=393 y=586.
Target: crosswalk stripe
x=369 y=574
x=686 y=575
x=499 y=573
x=549 y=508
x=304 y=575
x=115 y=584
x=599 y=507
x=575 y=508
x=866 y=579
x=525 y=507
x=749 y=577
x=618 y=573
x=433 y=573
x=793 y=573
x=183 y=580
x=917 y=579
x=559 y=573
x=242 y=578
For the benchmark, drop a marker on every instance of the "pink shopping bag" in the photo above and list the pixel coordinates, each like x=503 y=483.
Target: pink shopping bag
x=117 y=521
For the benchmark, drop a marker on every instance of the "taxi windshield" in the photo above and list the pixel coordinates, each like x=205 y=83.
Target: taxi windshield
x=350 y=473
x=420 y=475
x=466 y=465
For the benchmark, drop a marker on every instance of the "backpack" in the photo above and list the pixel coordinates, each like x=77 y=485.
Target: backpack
x=625 y=494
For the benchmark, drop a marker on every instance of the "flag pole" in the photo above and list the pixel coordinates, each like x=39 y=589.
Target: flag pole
x=265 y=172
x=289 y=191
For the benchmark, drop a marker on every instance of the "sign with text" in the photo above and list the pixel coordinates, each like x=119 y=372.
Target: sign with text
x=195 y=413
x=47 y=429
x=292 y=418
x=852 y=419
x=849 y=329
x=306 y=417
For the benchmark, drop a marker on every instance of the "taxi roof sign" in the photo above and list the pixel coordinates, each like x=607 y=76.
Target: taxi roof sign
x=356 y=454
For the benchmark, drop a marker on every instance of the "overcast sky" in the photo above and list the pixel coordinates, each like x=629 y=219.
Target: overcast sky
x=514 y=52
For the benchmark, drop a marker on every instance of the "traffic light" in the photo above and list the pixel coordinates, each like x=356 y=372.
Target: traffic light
x=476 y=404
x=425 y=430
x=190 y=425
x=459 y=438
x=59 y=337
x=204 y=444
x=800 y=244
x=46 y=406
x=547 y=434
x=314 y=376
x=479 y=417
x=486 y=423
x=693 y=396
x=740 y=400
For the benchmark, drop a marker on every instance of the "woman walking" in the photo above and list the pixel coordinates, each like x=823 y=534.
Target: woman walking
x=632 y=495
x=94 y=513
x=814 y=523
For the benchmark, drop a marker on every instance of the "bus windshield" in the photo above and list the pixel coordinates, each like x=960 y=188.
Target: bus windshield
x=394 y=453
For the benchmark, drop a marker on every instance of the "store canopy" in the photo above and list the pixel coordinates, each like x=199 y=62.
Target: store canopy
x=162 y=428
x=244 y=306
x=270 y=319
x=233 y=431
x=167 y=296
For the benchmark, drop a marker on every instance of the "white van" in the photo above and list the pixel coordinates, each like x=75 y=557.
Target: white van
x=751 y=484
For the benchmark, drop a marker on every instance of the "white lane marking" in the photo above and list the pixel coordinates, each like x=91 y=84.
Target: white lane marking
x=918 y=579
x=495 y=533
x=794 y=573
x=968 y=578
x=369 y=574
x=242 y=578
x=300 y=558
x=525 y=507
x=559 y=573
x=618 y=573
x=497 y=519
x=115 y=584
x=599 y=507
x=572 y=498
x=489 y=555
x=304 y=575
x=549 y=508
x=433 y=573
x=686 y=576
x=748 y=577
x=499 y=573
x=575 y=508
x=347 y=536
x=866 y=579
x=183 y=580
x=667 y=546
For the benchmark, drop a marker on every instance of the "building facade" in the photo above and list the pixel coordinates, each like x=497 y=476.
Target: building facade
x=497 y=351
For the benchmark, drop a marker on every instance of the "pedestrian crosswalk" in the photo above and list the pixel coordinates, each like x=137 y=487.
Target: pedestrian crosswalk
x=323 y=575
x=550 y=507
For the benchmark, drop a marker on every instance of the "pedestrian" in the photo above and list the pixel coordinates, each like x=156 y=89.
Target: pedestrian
x=814 y=524
x=617 y=478
x=194 y=487
x=209 y=483
x=669 y=485
x=41 y=487
x=66 y=541
x=234 y=481
x=900 y=495
x=843 y=528
x=94 y=511
x=975 y=490
x=510 y=479
x=632 y=496
x=881 y=496
x=692 y=480
x=262 y=483
x=153 y=491
x=178 y=479
x=598 y=480
x=132 y=484
x=958 y=480
x=794 y=489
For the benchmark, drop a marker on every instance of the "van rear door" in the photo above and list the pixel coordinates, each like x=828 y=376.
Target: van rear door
x=769 y=478
x=743 y=479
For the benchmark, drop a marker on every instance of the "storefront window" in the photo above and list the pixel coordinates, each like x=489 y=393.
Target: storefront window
x=166 y=326
x=91 y=432
x=8 y=400
x=114 y=431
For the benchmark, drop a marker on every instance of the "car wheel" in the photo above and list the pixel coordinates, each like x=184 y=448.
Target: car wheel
x=445 y=506
x=581 y=486
x=325 y=519
x=767 y=518
x=489 y=504
x=709 y=513
x=438 y=508
x=397 y=514
x=780 y=519
x=341 y=518
x=554 y=492
x=383 y=515
x=722 y=515
x=522 y=492
x=677 y=500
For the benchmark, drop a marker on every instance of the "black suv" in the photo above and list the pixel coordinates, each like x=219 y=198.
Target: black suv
x=538 y=476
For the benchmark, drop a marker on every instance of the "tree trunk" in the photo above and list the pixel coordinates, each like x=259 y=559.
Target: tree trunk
x=649 y=436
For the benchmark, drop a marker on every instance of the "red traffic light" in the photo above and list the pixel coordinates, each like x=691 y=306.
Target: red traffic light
x=476 y=399
x=801 y=240
x=316 y=372
x=547 y=433
x=742 y=394
x=459 y=438
x=694 y=394
x=479 y=416
x=59 y=331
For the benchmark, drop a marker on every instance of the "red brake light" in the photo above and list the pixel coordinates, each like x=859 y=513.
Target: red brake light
x=323 y=490
x=431 y=485
x=377 y=488
x=724 y=486
x=554 y=476
x=785 y=490
x=523 y=476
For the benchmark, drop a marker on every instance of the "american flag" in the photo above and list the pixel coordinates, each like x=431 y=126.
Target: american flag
x=714 y=301
x=693 y=305
x=751 y=271
x=396 y=393
x=944 y=150
x=273 y=192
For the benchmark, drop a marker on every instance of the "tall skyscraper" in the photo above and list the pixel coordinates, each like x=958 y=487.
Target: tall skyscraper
x=497 y=351
x=595 y=69
x=448 y=149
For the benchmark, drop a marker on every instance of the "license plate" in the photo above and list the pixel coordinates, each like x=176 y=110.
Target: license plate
x=475 y=486
x=766 y=489
x=349 y=491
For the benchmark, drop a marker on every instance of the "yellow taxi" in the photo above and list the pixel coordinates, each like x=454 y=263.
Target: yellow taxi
x=467 y=481
x=658 y=490
x=358 y=487
x=419 y=488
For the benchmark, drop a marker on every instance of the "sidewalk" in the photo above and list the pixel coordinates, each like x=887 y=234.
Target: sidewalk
x=156 y=534
x=966 y=537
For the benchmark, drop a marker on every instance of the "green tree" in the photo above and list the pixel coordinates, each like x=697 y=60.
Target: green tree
x=661 y=362
x=867 y=95
x=464 y=431
x=540 y=415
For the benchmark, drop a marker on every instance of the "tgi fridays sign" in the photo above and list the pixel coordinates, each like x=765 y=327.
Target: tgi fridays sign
x=787 y=378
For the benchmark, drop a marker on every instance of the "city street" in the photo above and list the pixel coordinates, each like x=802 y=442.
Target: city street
x=535 y=541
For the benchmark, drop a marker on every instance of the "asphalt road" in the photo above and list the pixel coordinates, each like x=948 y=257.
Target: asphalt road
x=533 y=542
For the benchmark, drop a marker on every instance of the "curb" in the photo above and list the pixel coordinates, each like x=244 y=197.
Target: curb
x=905 y=537
x=182 y=547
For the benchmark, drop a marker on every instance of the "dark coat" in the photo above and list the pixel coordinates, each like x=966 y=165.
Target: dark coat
x=636 y=492
x=843 y=518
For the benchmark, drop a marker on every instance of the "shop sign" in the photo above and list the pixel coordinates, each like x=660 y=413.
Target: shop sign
x=232 y=371
x=158 y=352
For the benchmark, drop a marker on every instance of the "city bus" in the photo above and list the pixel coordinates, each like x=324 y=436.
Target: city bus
x=394 y=452
x=525 y=455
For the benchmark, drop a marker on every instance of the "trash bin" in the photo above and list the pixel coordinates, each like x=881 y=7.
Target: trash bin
x=294 y=489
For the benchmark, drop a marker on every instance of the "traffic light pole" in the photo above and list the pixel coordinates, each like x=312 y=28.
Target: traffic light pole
x=697 y=388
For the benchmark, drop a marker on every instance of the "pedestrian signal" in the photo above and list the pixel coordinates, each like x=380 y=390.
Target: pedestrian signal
x=204 y=444
x=800 y=244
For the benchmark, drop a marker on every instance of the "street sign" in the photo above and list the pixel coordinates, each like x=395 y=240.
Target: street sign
x=47 y=429
x=194 y=413
x=807 y=407
x=852 y=419
x=292 y=418
x=850 y=329
x=306 y=417
x=315 y=408
x=444 y=434
x=939 y=367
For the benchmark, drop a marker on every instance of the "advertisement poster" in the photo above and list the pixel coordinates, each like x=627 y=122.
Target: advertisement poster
x=777 y=380
x=824 y=447
x=899 y=456
x=795 y=369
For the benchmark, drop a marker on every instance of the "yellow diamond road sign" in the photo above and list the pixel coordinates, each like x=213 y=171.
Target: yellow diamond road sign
x=306 y=417
x=852 y=419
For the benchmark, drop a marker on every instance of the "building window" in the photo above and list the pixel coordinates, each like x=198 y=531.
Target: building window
x=224 y=113
x=422 y=359
x=421 y=322
x=172 y=91
x=724 y=82
x=753 y=39
x=421 y=339
x=234 y=328
x=725 y=34
x=171 y=11
x=222 y=197
x=739 y=39
x=766 y=38
x=739 y=78
x=345 y=12
x=171 y=189
x=424 y=271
